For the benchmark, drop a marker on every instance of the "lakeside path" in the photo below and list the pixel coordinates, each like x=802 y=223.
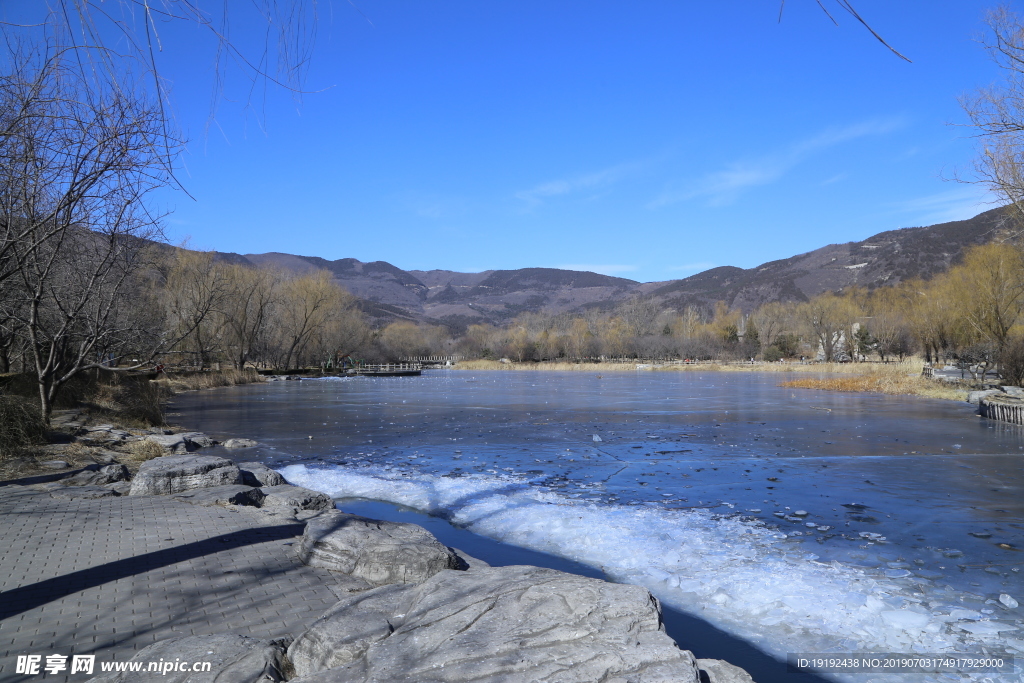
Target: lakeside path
x=109 y=576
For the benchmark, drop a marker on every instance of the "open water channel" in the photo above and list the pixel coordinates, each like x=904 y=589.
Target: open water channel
x=795 y=520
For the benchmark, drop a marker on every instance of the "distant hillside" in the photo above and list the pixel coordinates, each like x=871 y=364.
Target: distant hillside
x=496 y=296
x=885 y=258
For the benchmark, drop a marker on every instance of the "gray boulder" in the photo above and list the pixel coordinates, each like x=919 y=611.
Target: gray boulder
x=976 y=396
x=233 y=659
x=494 y=625
x=375 y=551
x=232 y=494
x=194 y=440
x=176 y=473
x=720 y=671
x=240 y=443
x=97 y=475
x=289 y=500
x=171 y=443
x=258 y=474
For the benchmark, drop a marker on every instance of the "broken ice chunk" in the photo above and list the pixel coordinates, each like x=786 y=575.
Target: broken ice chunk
x=964 y=614
x=896 y=573
x=905 y=619
x=1007 y=600
x=986 y=628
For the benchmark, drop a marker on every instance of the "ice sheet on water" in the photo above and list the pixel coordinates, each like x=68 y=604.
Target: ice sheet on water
x=737 y=574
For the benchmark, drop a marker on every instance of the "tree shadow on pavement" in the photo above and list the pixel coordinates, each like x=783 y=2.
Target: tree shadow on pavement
x=24 y=598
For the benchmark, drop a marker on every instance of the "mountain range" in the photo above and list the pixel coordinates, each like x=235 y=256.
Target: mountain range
x=456 y=300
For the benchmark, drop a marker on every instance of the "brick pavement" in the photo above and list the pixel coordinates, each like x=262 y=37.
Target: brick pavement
x=110 y=576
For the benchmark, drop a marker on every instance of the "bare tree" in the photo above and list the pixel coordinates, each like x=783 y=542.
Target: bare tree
x=75 y=168
x=997 y=113
x=639 y=314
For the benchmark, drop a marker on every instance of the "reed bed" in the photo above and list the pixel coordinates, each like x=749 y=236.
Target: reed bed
x=560 y=367
x=903 y=378
x=886 y=380
x=715 y=366
x=209 y=380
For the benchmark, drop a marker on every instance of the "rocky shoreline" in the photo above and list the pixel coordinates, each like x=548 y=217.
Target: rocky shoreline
x=409 y=609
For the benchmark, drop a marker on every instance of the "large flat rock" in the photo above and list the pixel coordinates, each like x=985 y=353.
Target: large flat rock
x=494 y=625
x=83 y=492
x=375 y=551
x=176 y=473
x=232 y=658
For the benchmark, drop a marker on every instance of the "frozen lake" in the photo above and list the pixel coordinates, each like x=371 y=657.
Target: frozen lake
x=801 y=521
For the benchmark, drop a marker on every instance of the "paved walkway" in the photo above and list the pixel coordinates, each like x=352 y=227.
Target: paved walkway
x=110 y=576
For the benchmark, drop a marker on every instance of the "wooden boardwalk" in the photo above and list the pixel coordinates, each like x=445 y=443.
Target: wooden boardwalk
x=390 y=370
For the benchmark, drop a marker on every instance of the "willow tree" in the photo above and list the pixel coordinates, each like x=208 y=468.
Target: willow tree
x=989 y=291
x=828 y=320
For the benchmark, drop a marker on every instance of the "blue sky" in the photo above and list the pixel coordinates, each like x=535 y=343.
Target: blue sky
x=649 y=140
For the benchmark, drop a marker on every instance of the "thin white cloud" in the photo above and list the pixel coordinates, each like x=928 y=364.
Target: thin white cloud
x=956 y=204
x=603 y=269
x=722 y=187
x=554 y=188
x=693 y=267
x=432 y=205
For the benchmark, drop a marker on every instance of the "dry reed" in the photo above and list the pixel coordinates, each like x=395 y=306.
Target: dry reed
x=704 y=366
x=890 y=380
x=903 y=378
x=21 y=425
x=209 y=380
x=140 y=451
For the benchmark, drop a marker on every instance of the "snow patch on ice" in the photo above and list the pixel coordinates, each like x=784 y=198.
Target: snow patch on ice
x=736 y=574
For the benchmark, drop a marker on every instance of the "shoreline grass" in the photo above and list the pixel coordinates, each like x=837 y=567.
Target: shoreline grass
x=177 y=383
x=881 y=382
x=905 y=367
x=902 y=378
